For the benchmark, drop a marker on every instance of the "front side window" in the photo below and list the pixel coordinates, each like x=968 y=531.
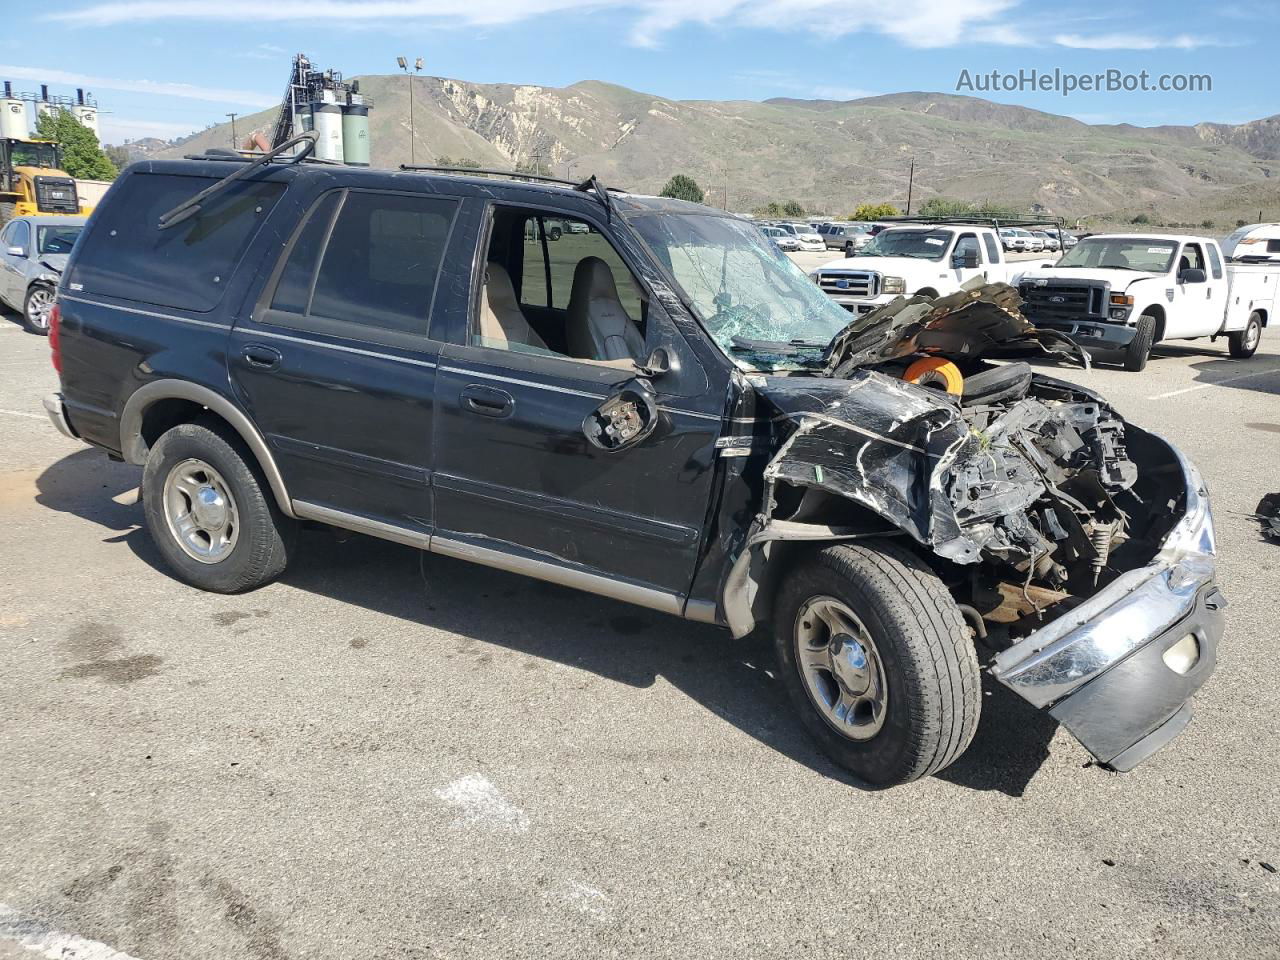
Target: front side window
x=761 y=309
x=1191 y=259
x=968 y=242
x=555 y=286
x=917 y=244
x=21 y=235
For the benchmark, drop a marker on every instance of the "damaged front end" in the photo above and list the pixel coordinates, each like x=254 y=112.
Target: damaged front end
x=1077 y=545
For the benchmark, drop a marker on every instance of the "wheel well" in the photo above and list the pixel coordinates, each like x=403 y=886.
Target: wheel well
x=1157 y=311
x=1262 y=315
x=164 y=415
x=927 y=292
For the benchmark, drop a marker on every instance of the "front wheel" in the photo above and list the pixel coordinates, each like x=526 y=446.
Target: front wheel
x=1243 y=344
x=36 y=308
x=210 y=513
x=877 y=659
x=1138 y=351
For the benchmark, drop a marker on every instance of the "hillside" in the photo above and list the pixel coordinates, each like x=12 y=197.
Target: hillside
x=830 y=155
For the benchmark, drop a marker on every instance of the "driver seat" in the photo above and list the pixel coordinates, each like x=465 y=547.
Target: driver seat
x=596 y=326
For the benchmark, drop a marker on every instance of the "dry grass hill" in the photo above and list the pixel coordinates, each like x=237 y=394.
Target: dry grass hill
x=829 y=155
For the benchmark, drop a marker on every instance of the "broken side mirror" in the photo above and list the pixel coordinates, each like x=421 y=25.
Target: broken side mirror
x=658 y=363
x=623 y=420
x=1191 y=276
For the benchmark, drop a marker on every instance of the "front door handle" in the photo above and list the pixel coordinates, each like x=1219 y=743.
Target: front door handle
x=487 y=401
x=260 y=357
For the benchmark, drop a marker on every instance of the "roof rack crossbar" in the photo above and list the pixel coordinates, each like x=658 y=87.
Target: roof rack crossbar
x=1058 y=222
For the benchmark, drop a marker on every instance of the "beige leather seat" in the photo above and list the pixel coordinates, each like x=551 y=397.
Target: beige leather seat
x=502 y=322
x=597 y=327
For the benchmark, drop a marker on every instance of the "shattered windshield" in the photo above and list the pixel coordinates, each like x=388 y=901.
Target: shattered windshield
x=1145 y=254
x=752 y=299
x=919 y=244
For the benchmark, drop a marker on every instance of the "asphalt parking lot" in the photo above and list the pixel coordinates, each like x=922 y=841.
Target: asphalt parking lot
x=388 y=754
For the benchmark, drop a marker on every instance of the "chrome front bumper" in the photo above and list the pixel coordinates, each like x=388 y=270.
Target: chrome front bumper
x=1108 y=670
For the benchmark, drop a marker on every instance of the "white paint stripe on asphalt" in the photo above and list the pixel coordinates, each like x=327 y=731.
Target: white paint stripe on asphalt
x=1206 y=386
x=23 y=413
x=481 y=804
x=35 y=936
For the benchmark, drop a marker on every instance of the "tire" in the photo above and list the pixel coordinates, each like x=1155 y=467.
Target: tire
x=929 y=292
x=915 y=641
x=848 y=250
x=251 y=547
x=554 y=233
x=1139 y=348
x=1243 y=344
x=35 y=308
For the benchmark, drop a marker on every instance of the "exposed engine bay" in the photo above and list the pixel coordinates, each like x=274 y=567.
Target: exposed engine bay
x=1031 y=492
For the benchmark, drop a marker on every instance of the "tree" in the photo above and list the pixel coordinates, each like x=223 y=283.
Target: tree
x=82 y=158
x=444 y=160
x=1206 y=224
x=119 y=156
x=536 y=167
x=681 y=187
x=874 y=211
x=792 y=208
x=1141 y=218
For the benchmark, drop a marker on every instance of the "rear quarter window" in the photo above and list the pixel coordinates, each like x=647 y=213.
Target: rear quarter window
x=188 y=266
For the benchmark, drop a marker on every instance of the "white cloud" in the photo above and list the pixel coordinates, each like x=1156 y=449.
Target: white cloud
x=118 y=129
x=185 y=91
x=914 y=23
x=1135 y=41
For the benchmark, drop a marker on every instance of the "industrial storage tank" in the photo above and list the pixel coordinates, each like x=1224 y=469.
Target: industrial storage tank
x=13 y=116
x=355 y=134
x=327 y=118
x=44 y=106
x=86 y=113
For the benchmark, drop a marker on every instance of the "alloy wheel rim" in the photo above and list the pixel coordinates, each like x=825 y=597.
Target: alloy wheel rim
x=38 y=306
x=1252 y=335
x=200 y=511
x=840 y=667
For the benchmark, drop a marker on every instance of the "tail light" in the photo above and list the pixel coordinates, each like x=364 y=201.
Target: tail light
x=55 y=336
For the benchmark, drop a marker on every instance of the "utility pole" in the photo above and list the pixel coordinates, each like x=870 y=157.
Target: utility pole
x=403 y=64
x=536 y=157
x=568 y=169
x=911 y=179
x=233 y=129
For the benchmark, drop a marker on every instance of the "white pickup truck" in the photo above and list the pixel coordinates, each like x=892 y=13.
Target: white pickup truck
x=931 y=259
x=1126 y=292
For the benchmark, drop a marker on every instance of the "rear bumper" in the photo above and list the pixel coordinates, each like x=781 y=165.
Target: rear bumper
x=1105 y=671
x=57 y=411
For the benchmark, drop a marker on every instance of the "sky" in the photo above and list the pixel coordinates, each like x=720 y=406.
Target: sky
x=167 y=67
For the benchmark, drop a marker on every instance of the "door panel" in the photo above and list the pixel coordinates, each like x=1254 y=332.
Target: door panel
x=336 y=365
x=529 y=478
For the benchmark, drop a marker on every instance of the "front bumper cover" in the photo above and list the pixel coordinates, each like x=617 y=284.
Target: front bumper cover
x=1101 y=670
x=1098 y=334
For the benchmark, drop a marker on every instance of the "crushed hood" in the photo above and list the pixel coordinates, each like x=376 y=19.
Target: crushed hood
x=979 y=320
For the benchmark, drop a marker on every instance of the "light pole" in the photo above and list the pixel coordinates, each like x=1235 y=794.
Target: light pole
x=911 y=179
x=417 y=68
x=233 y=129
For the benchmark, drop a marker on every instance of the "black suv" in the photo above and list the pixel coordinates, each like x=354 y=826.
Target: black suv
x=657 y=407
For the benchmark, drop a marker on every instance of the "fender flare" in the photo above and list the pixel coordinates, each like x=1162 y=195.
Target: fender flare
x=134 y=447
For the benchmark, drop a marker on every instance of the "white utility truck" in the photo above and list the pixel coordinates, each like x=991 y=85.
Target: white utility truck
x=929 y=258
x=1127 y=292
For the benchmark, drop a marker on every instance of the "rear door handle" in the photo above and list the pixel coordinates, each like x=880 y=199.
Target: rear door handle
x=487 y=401
x=260 y=357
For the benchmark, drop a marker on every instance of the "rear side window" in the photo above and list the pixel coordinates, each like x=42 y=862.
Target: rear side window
x=187 y=266
x=380 y=265
x=993 y=248
x=293 y=292
x=1215 y=261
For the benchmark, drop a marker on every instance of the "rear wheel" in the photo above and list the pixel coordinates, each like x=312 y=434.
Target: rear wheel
x=877 y=659
x=1243 y=344
x=209 y=512
x=1139 y=349
x=35 y=309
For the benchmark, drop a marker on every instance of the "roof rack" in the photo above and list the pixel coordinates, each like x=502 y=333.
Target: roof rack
x=581 y=185
x=996 y=222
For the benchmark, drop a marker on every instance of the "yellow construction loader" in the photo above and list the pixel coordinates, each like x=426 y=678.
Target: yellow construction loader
x=32 y=181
